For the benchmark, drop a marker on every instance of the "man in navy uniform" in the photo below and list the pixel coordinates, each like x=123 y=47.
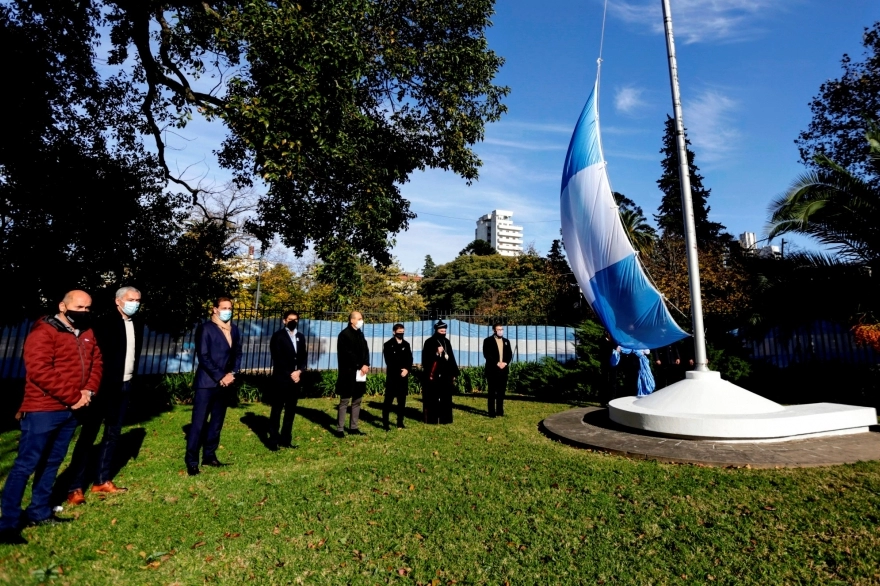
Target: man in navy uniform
x=498 y=354
x=218 y=347
x=398 y=364
x=290 y=358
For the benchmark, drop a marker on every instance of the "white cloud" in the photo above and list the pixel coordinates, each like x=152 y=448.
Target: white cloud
x=526 y=145
x=628 y=99
x=710 y=125
x=697 y=21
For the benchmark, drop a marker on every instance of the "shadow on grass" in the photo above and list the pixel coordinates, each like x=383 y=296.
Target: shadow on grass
x=318 y=417
x=409 y=412
x=259 y=424
x=128 y=448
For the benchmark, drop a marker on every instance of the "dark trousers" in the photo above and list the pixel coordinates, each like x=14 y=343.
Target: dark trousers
x=395 y=388
x=355 y=401
x=437 y=400
x=45 y=437
x=286 y=398
x=107 y=408
x=496 y=380
x=204 y=433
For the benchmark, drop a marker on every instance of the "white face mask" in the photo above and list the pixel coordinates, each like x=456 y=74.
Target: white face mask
x=359 y=324
x=130 y=308
x=225 y=315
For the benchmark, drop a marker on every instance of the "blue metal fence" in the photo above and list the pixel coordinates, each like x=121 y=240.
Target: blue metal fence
x=163 y=353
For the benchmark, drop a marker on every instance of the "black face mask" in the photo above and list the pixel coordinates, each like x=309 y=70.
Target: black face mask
x=291 y=325
x=80 y=320
x=399 y=336
x=441 y=334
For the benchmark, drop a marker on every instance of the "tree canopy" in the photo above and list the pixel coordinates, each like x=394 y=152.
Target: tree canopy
x=478 y=247
x=329 y=105
x=669 y=215
x=841 y=108
x=82 y=203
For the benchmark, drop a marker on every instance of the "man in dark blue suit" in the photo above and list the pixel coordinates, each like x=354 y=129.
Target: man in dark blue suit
x=290 y=358
x=218 y=347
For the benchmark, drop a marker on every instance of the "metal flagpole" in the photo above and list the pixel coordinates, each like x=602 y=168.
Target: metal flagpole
x=687 y=204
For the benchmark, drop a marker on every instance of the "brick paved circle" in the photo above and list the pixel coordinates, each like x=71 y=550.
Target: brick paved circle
x=590 y=427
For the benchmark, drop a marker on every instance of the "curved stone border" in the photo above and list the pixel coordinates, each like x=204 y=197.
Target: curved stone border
x=590 y=427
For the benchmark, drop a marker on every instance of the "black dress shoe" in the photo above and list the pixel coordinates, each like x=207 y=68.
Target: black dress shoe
x=49 y=521
x=193 y=470
x=355 y=432
x=273 y=446
x=12 y=536
x=339 y=433
x=215 y=463
x=289 y=446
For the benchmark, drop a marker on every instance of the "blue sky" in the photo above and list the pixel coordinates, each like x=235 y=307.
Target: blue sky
x=748 y=70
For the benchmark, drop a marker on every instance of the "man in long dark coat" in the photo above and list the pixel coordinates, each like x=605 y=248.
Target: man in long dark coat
x=398 y=364
x=290 y=358
x=353 y=356
x=440 y=372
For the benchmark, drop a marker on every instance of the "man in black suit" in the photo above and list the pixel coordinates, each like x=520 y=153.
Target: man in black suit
x=120 y=339
x=667 y=363
x=290 y=359
x=353 y=356
x=398 y=364
x=498 y=354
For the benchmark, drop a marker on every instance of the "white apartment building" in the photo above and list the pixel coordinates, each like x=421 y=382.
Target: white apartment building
x=498 y=230
x=748 y=241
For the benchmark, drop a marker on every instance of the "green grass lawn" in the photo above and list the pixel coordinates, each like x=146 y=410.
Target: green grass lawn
x=481 y=501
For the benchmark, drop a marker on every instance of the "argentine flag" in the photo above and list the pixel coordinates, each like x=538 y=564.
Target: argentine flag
x=599 y=251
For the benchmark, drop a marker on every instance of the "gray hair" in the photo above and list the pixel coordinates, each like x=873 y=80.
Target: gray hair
x=123 y=291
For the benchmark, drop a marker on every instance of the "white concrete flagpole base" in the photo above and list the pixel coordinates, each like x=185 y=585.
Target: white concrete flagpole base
x=703 y=406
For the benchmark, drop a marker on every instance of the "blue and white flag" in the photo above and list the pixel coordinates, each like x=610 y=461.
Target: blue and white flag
x=599 y=251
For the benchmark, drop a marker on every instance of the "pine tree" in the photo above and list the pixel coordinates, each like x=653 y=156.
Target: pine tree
x=430 y=267
x=669 y=215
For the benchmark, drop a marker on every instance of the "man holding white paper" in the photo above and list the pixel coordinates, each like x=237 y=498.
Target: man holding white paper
x=353 y=357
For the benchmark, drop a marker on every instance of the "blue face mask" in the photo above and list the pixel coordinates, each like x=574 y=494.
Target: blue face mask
x=225 y=315
x=130 y=308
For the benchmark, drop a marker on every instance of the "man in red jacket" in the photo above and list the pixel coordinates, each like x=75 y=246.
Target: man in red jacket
x=63 y=371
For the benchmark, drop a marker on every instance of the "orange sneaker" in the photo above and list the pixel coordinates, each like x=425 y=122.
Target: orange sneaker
x=108 y=487
x=76 y=497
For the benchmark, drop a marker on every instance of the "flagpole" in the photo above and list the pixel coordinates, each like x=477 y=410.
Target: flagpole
x=687 y=205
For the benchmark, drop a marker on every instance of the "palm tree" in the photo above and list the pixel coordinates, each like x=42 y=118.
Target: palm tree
x=641 y=234
x=835 y=207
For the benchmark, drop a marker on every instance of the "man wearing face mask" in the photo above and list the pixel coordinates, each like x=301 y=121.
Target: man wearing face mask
x=498 y=354
x=398 y=364
x=218 y=347
x=289 y=361
x=353 y=356
x=441 y=370
x=120 y=338
x=63 y=372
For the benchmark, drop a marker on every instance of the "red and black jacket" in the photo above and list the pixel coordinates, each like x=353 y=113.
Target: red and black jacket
x=58 y=365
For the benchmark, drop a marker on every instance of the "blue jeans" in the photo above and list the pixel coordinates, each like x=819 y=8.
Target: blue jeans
x=204 y=435
x=45 y=436
x=109 y=408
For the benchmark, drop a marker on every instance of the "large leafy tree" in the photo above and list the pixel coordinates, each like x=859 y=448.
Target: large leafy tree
x=840 y=109
x=329 y=104
x=332 y=103
x=82 y=204
x=669 y=214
